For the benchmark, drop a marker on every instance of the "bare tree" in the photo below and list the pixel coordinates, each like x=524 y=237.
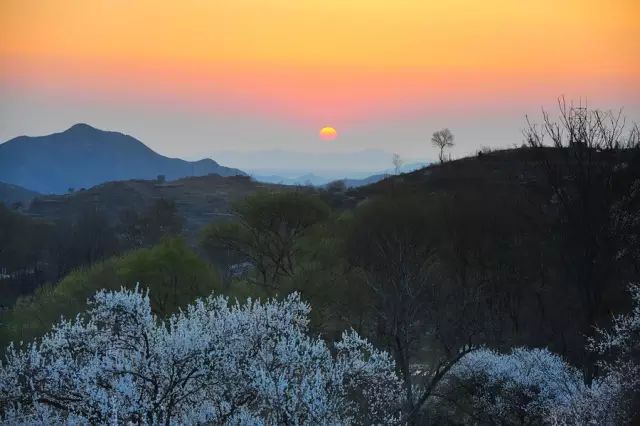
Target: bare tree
x=588 y=172
x=442 y=139
x=397 y=162
x=393 y=244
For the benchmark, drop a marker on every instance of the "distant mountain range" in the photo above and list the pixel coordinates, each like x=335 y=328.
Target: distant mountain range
x=326 y=164
x=83 y=156
x=356 y=183
x=350 y=182
x=306 y=179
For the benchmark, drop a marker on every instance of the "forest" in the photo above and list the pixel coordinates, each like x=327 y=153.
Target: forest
x=500 y=288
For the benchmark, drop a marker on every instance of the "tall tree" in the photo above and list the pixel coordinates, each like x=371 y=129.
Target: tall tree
x=266 y=228
x=393 y=243
x=589 y=178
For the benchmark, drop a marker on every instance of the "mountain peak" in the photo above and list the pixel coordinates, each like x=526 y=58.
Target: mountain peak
x=83 y=127
x=83 y=156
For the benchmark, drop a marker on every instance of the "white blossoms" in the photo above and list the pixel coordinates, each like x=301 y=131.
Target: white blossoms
x=215 y=362
x=537 y=386
x=255 y=364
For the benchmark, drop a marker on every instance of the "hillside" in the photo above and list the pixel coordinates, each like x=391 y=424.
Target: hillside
x=478 y=250
x=83 y=156
x=199 y=200
x=497 y=172
x=10 y=194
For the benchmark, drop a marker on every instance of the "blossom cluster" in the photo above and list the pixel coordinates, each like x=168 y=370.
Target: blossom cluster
x=214 y=362
x=537 y=386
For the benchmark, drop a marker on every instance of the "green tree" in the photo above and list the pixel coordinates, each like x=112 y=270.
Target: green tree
x=172 y=272
x=324 y=276
x=265 y=231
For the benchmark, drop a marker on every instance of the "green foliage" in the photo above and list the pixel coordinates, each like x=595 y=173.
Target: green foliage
x=265 y=232
x=270 y=211
x=323 y=275
x=294 y=244
x=174 y=274
x=171 y=271
x=33 y=252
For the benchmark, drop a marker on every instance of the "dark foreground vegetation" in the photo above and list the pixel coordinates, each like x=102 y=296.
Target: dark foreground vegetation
x=486 y=288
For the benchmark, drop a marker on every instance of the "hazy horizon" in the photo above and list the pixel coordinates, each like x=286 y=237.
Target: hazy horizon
x=191 y=79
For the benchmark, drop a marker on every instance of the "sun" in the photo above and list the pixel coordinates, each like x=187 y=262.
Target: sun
x=328 y=134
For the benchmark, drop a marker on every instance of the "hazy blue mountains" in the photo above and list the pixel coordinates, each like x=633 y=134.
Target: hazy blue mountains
x=83 y=156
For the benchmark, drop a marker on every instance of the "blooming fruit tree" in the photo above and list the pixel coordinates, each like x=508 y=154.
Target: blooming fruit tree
x=214 y=362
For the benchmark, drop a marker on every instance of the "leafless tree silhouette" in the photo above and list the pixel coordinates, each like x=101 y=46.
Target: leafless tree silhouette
x=397 y=162
x=585 y=166
x=442 y=139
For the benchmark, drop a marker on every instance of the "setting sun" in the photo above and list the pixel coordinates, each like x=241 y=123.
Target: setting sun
x=328 y=134
x=473 y=207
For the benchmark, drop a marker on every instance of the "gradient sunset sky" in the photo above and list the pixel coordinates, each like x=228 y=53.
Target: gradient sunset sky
x=191 y=78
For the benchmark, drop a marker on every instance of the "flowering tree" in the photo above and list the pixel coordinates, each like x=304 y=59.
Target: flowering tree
x=536 y=386
x=619 y=349
x=215 y=362
x=523 y=386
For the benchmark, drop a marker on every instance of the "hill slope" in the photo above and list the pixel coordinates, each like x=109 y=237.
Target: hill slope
x=83 y=156
x=10 y=194
x=199 y=200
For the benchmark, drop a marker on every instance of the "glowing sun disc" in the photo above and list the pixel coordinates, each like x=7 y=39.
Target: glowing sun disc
x=328 y=133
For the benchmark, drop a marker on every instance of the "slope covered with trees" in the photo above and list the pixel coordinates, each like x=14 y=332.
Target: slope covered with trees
x=463 y=275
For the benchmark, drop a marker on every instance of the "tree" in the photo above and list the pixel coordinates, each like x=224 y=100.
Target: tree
x=589 y=180
x=397 y=162
x=265 y=232
x=81 y=239
x=536 y=386
x=394 y=245
x=173 y=273
x=523 y=386
x=442 y=139
x=159 y=220
x=619 y=348
x=214 y=363
x=24 y=244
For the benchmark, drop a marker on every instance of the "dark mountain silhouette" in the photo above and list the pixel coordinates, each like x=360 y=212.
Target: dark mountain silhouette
x=83 y=156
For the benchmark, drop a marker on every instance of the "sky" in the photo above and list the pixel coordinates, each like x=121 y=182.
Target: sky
x=194 y=77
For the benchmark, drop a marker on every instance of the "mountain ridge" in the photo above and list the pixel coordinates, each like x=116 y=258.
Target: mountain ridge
x=83 y=156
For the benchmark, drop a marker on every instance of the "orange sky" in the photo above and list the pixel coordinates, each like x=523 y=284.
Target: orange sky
x=322 y=61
